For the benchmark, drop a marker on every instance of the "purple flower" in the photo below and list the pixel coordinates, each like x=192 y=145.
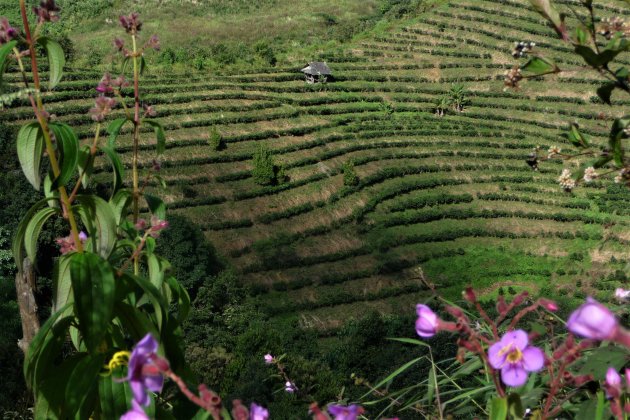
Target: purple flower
x=342 y=412
x=613 y=383
x=131 y=23
x=142 y=373
x=47 y=12
x=153 y=42
x=136 y=412
x=83 y=236
x=257 y=412
x=102 y=107
x=268 y=358
x=7 y=32
x=515 y=357
x=119 y=44
x=290 y=387
x=427 y=322
x=622 y=294
x=105 y=85
x=593 y=320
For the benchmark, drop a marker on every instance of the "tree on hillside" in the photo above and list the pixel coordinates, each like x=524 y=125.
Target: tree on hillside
x=216 y=140
x=458 y=97
x=265 y=171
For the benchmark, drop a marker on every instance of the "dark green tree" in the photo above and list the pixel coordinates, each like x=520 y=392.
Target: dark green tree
x=264 y=171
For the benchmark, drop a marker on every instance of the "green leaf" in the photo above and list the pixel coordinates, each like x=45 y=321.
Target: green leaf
x=114 y=130
x=85 y=164
x=622 y=73
x=545 y=8
x=396 y=373
x=135 y=321
x=30 y=146
x=581 y=35
x=99 y=219
x=56 y=60
x=577 y=138
x=605 y=91
x=119 y=203
x=614 y=139
x=598 y=361
x=588 y=55
x=156 y=273
x=19 y=239
x=83 y=377
x=115 y=396
x=94 y=291
x=539 y=65
x=515 y=406
x=498 y=409
x=33 y=229
x=202 y=414
x=62 y=284
x=51 y=193
x=156 y=206
x=44 y=348
x=68 y=143
x=50 y=398
x=159 y=134
x=182 y=297
x=151 y=294
x=5 y=51
x=117 y=166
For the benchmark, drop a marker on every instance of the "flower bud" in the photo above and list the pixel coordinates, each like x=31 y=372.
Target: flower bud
x=268 y=358
x=427 y=322
x=469 y=295
x=593 y=320
x=7 y=32
x=549 y=305
x=502 y=307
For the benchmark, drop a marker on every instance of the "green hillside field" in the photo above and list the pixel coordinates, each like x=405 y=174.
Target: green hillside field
x=449 y=196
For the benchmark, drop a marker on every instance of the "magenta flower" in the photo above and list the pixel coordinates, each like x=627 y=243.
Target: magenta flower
x=257 y=412
x=136 y=412
x=153 y=42
x=515 y=357
x=613 y=383
x=593 y=320
x=427 y=322
x=102 y=107
x=131 y=23
x=143 y=374
x=47 y=12
x=290 y=387
x=341 y=412
x=7 y=32
x=268 y=358
x=622 y=294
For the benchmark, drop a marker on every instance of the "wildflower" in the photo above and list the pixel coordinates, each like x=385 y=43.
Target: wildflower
x=512 y=77
x=522 y=48
x=268 y=358
x=102 y=107
x=290 y=387
x=590 y=174
x=566 y=181
x=105 y=85
x=341 y=412
x=136 y=412
x=427 y=322
x=622 y=294
x=610 y=26
x=7 y=32
x=120 y=82
x=553 y=150
x=549 y=305
x=593 y=320
x=66 y=244
x=145 y=370
x=149 y=111
x=153 y=42
x=47 y=11
x=131 y=23
x=622 y=176
x=157 y=225
x=613 y=383
x=257 y=412
x=239 y=411
x=119 y=44
x=515 y=357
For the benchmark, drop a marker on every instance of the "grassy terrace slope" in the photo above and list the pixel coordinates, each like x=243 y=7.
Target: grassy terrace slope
x=452 y=195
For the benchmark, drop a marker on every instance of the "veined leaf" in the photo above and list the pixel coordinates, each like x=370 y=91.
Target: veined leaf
x=539 y=65
x=114 y=130
x=117 y=166
x=94 y=289
x=614 y=140
x=577 y=138
x=182 y=297
x=85 y=164
x=5 y=51
x=545 y=8
x=98 y=218
x=156 y=206
x=56 y=60
x=49 y=192
x=69 y=158
x=498 y=409
x=151 y=295
x=119 y=203
x=33 y=229
x=30 y=146
x=62 y=284
x=159 y=134
x=114 y=395
x=18 y=241
x=82 y=378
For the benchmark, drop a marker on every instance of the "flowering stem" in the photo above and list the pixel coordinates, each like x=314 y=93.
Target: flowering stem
x=190 y=395
x=38 y=108
x=93 y=151
x=135 y=256
x=136 y=135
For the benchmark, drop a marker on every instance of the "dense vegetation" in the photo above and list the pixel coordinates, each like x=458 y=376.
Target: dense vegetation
x=302 y=215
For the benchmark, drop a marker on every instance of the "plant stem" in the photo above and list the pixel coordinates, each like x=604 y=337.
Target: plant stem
x=50 y=150
x=136 y=135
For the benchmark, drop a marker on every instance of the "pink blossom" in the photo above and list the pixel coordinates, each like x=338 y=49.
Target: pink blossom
x=515 y=357
x=256 y=412
x=290 y=387
x=7 y=32
x=47 y=11
x=427 y=322
x=341 y=412
x=268 y=358
x=593 y=320
x=622 y=294
x=131 y=23
x=613 y=383
x=102 y=107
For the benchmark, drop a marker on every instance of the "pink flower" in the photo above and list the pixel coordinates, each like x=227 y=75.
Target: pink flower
x=7 y=32
x=593 y=320
x=145 y=370
x=515 y=357
x=613 y=383
x=622 y=294
x=105 y=85
x=131 y=23
x=47 y=12
x=290 y=387
x=153 y=42
x=66 y=244
x=268 y=358
x=341 y=412
x=157 y=226
x=136 y=412
x=102 y=107
x=427 y=322
x=257 y=412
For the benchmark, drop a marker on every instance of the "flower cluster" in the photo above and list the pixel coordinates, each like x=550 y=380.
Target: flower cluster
x=102 y=107
x=623 y=176
x=513 y=77
x=522 y=48
x=156 y=226
x=610 y=26
x=47 y=11
x=553 y=151
x=131 y=23
x=66 y=244
x=590 y=174
x=7 y=32
x=566 y=181
x=107 y=85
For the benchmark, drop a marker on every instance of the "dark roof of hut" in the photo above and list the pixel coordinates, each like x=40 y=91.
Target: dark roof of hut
x=317 y=68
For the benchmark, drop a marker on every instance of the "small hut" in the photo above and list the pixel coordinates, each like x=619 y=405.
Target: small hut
x=316 y=71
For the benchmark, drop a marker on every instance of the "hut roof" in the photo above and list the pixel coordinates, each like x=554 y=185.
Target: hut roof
x=317 y=68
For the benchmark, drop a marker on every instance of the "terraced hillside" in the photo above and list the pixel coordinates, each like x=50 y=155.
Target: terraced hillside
x=448 y=197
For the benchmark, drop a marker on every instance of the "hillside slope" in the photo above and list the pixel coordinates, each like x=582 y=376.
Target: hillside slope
x=449 y=199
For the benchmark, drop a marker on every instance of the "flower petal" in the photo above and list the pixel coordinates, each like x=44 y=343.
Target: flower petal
x=533 y=359
x=518 y=338
x=494 y=357
x=139 y=392
x=154 y=383
x=513 y=375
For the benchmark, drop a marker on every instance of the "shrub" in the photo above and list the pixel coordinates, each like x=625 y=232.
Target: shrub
x=216 y=140
x=350 y=177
